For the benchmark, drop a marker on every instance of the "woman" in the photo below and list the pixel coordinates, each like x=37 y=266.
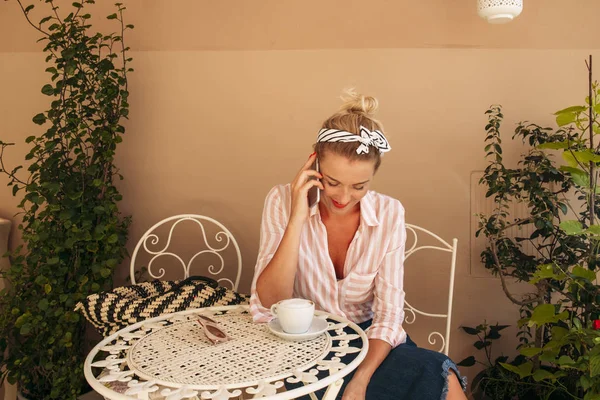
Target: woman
x=346 y=254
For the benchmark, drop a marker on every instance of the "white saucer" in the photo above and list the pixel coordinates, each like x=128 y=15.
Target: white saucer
x=318 y=327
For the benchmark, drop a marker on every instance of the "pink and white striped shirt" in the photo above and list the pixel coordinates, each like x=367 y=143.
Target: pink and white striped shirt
x=373 y=271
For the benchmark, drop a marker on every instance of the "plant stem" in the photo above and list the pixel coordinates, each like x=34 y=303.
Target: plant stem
x=503 y=280
x=591 y=132
x=29 y=21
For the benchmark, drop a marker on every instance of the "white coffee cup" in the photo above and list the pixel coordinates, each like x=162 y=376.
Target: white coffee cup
x=294 y=315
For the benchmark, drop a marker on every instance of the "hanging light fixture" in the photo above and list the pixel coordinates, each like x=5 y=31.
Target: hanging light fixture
x=499 y=11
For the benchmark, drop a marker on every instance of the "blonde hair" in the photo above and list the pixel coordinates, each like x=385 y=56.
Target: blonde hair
x=357 y=110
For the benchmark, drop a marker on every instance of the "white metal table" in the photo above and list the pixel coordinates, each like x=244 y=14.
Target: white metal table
x=169 y=357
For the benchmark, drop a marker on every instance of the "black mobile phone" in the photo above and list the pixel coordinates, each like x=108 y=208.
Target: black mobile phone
x=314 y=193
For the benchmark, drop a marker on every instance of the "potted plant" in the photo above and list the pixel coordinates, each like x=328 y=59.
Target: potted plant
x=73 y=232
x=559 y=329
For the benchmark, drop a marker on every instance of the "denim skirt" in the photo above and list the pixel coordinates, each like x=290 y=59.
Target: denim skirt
x=408 y=372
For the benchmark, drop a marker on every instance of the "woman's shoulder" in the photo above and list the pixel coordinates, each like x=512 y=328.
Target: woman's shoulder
x=279 y=194
x=281 y=191
x=384 y=204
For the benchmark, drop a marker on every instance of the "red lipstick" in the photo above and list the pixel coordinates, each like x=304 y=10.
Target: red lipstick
x=338 y=205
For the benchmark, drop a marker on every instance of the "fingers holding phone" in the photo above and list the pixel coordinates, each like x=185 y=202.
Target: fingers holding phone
x=307 y=178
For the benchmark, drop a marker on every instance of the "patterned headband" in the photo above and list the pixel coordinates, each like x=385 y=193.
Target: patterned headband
x=366 y=138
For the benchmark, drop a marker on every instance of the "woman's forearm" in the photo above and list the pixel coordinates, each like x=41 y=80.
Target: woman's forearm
x=276 y=282
x=378 y=351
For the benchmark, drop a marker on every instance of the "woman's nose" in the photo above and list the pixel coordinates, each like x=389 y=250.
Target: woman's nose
x=345 y=196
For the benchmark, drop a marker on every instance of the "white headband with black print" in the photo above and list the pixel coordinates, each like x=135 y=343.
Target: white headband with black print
x=366 y=138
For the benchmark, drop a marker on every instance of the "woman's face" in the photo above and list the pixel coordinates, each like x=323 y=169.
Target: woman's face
x=345 y=182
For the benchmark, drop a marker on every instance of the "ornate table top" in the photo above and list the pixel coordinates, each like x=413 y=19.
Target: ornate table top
x=170 y=357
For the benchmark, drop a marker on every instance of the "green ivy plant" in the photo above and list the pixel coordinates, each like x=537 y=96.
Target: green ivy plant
x=494 y=382
x=73 y=231
x=559 y=335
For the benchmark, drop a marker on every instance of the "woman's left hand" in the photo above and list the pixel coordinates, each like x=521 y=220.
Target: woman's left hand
x=355 y=390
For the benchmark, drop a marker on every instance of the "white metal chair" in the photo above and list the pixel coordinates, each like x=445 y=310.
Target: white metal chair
x=440 y=245
x=150 y=243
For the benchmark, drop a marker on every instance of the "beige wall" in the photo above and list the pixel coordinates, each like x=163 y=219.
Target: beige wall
x=227 y=98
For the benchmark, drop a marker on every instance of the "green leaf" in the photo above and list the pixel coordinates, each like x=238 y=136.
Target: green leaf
x=99 y=209
x=546 y=271
x=553 y=145
x=47 y=288
x=92 y=247
x=105 y=272
x=542 y=374
x=594 y=365
x=493 y=334
x=25 y=329
x=561 y=317
x=580 y=177
x=558 y=332
x=542 y=314
x=572 y=109
x=565 y=360
x=569 y=158
x=43 y=304
x=584 y=273
x=114 y=238
x=523 y=370
x=549 y=355
x=21 y=320
x=53 y=260
x=39 y=119
x=112 y=16
x=498 y=328
x=467 y=362
x=48 y=90
x=481 y=344
x=571 y=227
x=471 y=331
x=594 y=230
x=565 y=118
x=586 y=156
x=530 y=351
x=585 y=382
x=65 y=214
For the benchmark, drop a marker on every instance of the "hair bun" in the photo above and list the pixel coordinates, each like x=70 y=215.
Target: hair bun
x=358 y=103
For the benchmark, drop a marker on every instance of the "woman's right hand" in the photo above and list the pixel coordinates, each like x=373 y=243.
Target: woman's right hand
x=300 y=187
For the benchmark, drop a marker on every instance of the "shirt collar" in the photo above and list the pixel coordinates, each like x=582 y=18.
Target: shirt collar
x=367 y=210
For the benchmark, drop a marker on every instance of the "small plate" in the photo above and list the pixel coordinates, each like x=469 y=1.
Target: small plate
x=318 y=327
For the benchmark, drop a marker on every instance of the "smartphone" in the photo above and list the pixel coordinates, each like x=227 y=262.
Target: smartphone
x=314 y=193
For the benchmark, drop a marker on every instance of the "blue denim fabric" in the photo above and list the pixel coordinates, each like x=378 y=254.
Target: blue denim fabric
x=407 y=373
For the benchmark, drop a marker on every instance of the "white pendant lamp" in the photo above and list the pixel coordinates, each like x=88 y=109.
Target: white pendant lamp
x=499 y=11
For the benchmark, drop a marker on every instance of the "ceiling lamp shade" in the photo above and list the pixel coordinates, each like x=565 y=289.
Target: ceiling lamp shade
x=499 y=11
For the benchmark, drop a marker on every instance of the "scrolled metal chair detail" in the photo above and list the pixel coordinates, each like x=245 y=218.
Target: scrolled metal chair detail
x=410 y=311
x=150 y=242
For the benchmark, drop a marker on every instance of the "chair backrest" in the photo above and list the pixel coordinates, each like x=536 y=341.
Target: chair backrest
x=439 y=245
x=151 y=243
